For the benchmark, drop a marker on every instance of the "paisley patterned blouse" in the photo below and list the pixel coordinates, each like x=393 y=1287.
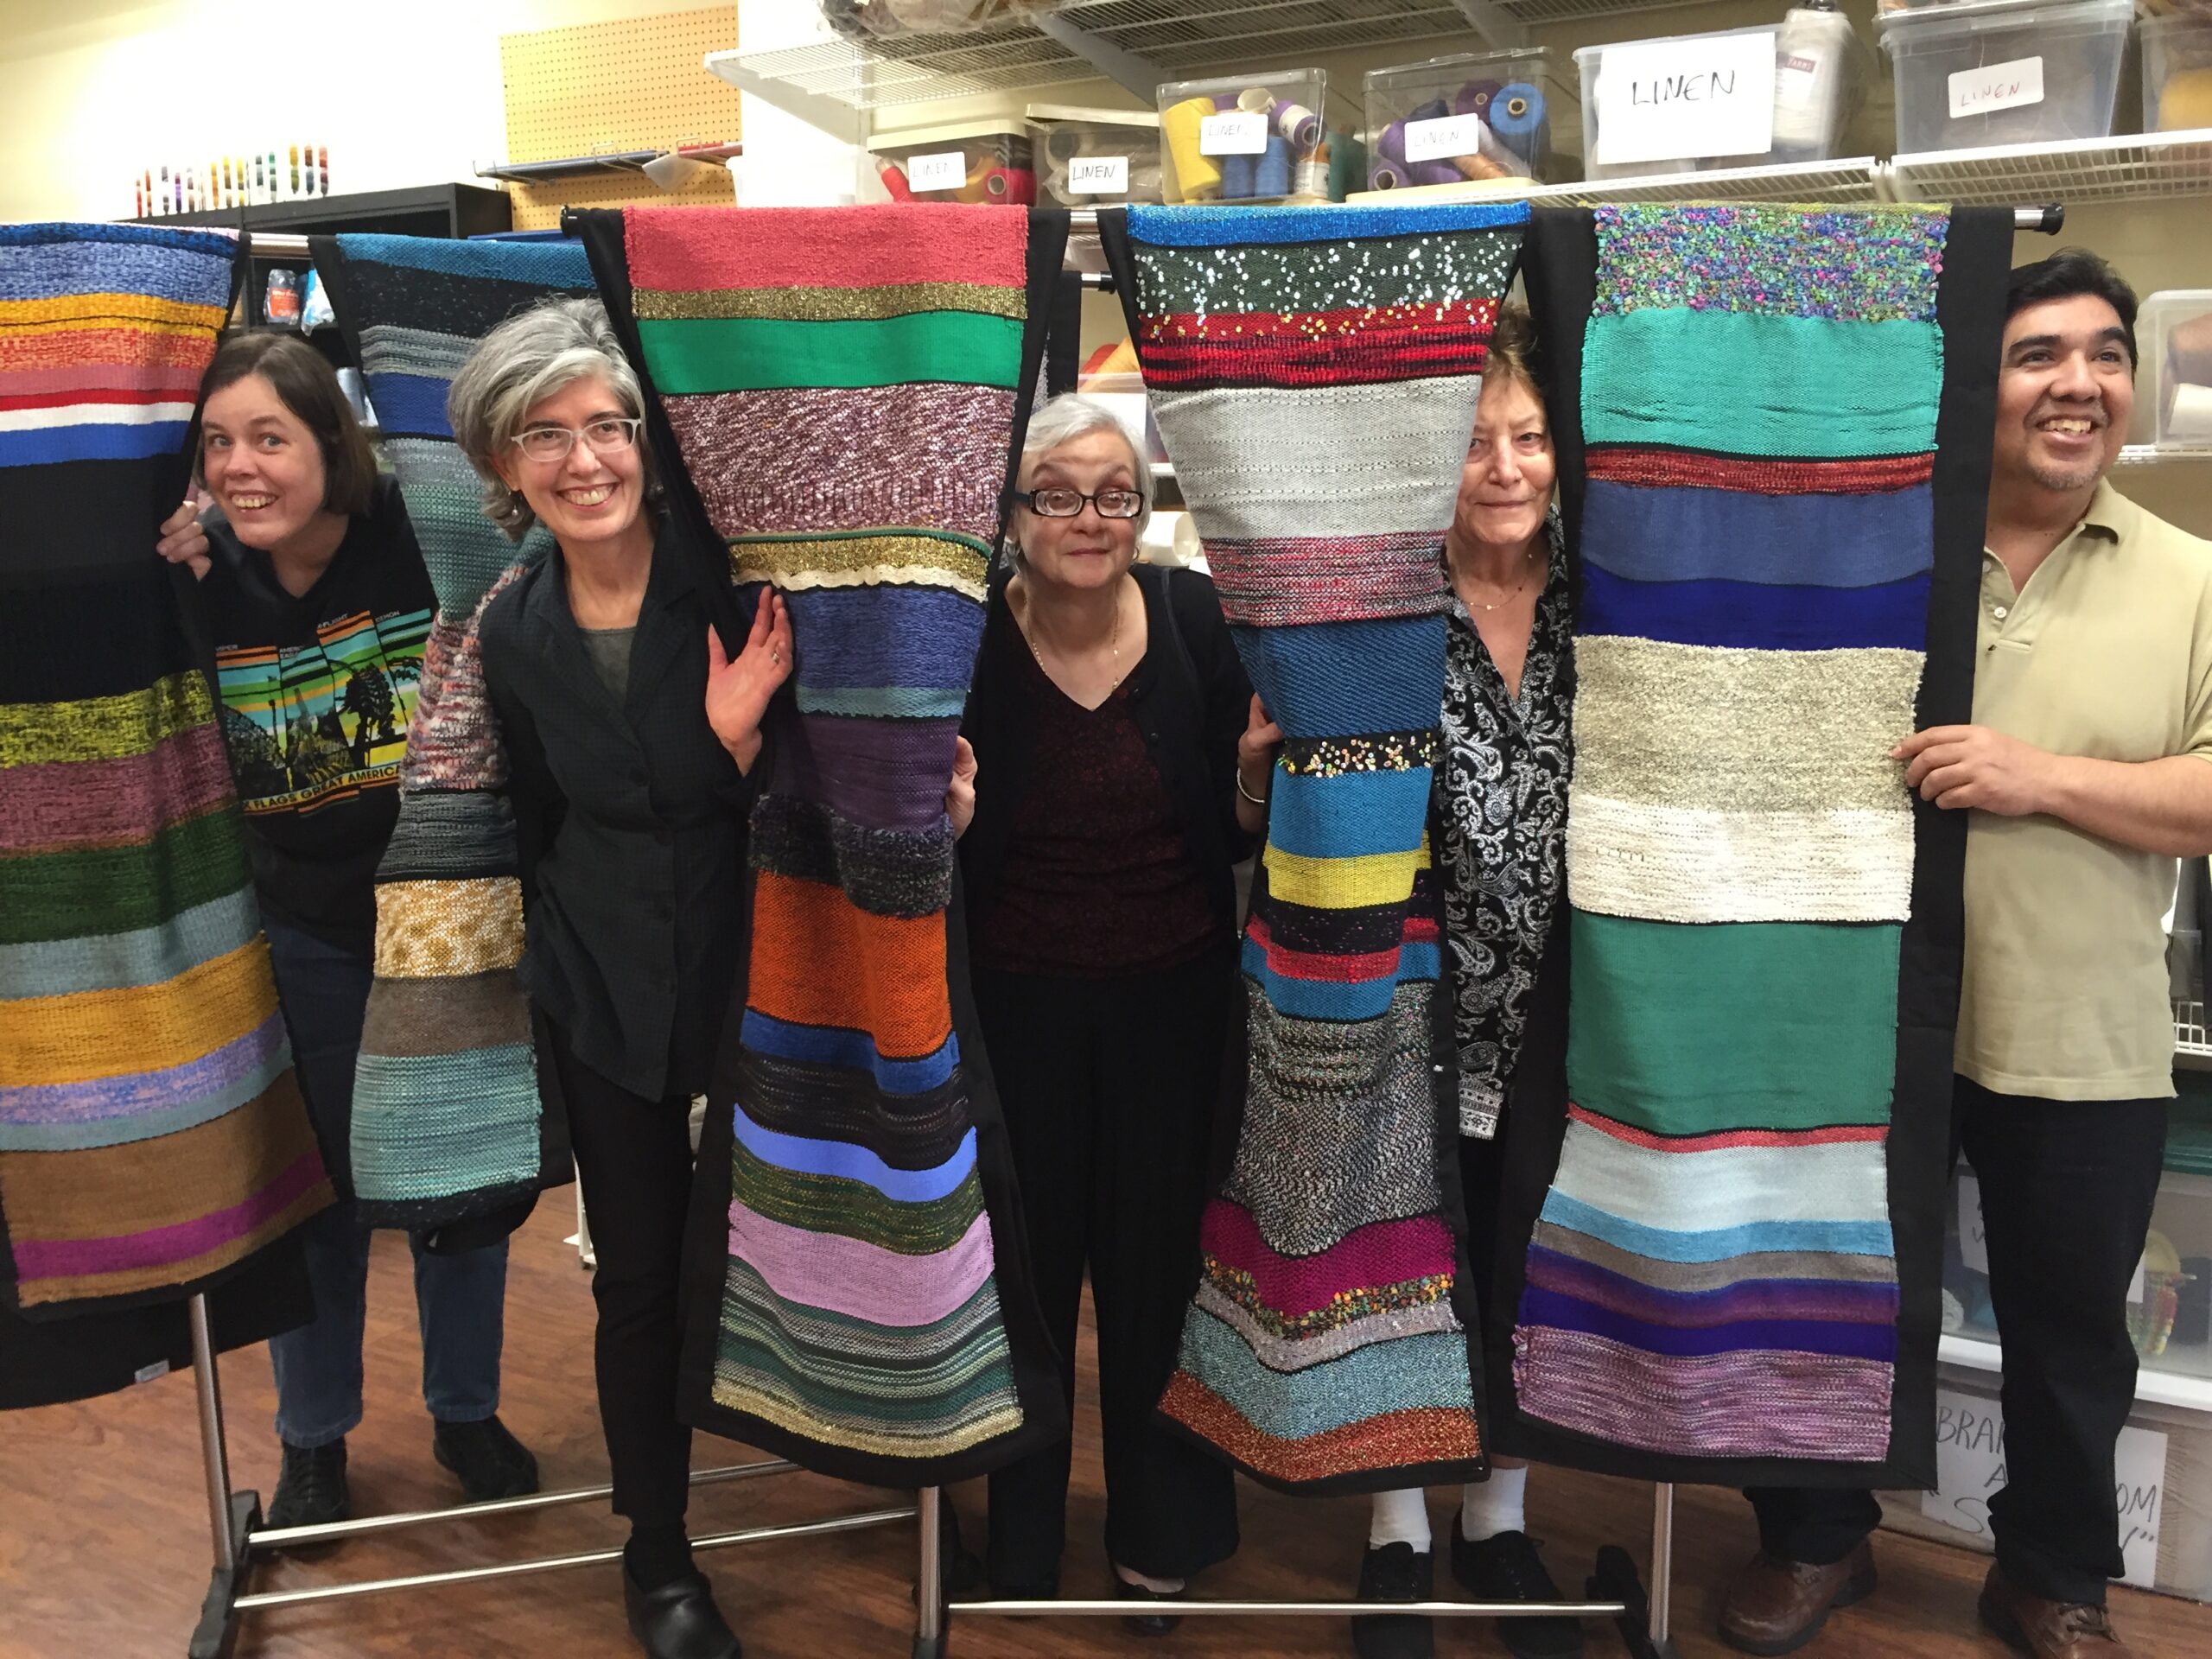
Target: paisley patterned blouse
x=1501 y=804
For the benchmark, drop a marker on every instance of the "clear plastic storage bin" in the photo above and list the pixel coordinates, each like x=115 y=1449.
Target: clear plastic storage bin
x=1250 y=138
x=1780 y=92
x=987 y=162
x=2173 y=384
x=1095 y=158
x=2005 y=72
x=2177 y=72
x=1499 y=115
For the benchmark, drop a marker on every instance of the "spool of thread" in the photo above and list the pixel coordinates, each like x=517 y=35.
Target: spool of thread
x=1062 y=144
x=1310 y=180
x=1271 y=176
x=1240 y=177
x=1253 y=100
x=1474 y=97
x=1519 y=118
x=1433 y=173
x=1386 y=174
x=1435 y=110
x=1391 y=146
x=2189 y=414
x=1347 y=162
x=1299 y=126
x=894 y=180
x=1491 y=159
x=1198 y=177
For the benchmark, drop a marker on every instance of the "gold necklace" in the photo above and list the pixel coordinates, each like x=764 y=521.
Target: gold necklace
x=1528 y=563
x=1114 y=641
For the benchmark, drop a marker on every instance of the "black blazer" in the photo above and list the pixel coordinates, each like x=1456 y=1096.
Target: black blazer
x=1190 y=698
x=631 y=820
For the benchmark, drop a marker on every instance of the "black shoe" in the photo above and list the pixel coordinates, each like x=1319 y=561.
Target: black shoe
x=490 y=1461
x=311 y=1492
x=1042 y=1590
x=679 y=1620
x=1508 y=1569
x=1146 y=1623
x=1394 y=1572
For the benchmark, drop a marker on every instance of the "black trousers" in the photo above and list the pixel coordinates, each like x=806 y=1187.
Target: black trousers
x=634 y=1156
x=1110 y=1089
x=2067 y=1187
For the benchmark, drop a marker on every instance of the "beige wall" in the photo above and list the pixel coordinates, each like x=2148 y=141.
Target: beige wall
x=401 y=91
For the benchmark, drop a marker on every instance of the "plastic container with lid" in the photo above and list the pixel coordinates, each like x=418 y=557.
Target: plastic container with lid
x=1248 y=138
x=986 y=163
x=1095 y=158
x=2177 y=70
x=1498 y=115
x=1781 y=92
x=2005 y=72
x=2173 y=383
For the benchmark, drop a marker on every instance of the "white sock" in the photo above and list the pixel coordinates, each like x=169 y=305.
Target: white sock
x=1495 y=1505
x=1399 y=1517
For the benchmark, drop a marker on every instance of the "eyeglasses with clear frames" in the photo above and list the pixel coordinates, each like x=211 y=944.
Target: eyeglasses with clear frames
x=1058 y=502
x=607 y=436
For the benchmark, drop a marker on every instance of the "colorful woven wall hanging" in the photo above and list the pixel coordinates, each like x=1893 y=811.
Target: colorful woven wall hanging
x=1314 y=374
x=1773 y=425
x=846 y=389
x=152 y=1138
x=448 y=1121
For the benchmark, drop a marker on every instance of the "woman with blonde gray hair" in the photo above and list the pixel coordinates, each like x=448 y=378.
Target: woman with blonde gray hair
x=632 y=732
x=1121 y=767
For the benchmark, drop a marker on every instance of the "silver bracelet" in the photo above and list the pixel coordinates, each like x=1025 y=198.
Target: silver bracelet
x=1256 y=800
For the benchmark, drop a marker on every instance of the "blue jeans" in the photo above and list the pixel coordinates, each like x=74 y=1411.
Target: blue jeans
x=459 y=1299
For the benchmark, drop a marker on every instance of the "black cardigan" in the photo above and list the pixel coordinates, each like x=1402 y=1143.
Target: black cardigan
x=1190 y=698
x=630 y=819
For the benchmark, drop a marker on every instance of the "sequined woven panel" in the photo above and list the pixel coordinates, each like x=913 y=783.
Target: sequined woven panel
x=152 y=1138
x=841 y=384
x=1315 y=375
x=1757 y=544
x=446 y=1121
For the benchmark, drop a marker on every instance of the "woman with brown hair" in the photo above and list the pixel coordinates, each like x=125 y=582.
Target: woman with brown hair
x=318 y=606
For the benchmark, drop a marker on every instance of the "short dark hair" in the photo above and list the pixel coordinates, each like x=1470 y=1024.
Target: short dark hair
x=2066 y=273
x=305 y=384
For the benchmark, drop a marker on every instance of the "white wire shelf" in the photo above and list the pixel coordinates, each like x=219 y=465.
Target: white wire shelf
x=2155 y=1380
x=2144 y=455
x=2133 y=167
x=1853 y=179
x=2191 y=1041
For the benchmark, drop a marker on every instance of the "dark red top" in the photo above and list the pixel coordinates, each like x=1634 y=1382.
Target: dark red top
x=1098 y=877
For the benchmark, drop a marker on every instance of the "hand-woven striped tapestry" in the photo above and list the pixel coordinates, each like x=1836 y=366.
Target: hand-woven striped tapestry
x=1315 y=374
x=844 y=387
x=152 y=1137
x=1730 y=1257
x=447 y=1118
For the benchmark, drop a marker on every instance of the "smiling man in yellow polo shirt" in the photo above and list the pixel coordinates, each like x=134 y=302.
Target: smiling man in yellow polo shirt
x=2087 y=772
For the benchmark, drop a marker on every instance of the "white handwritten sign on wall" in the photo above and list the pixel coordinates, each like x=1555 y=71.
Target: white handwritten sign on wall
x=1970 y=1468
x=1996 y=86
x=1679 y=100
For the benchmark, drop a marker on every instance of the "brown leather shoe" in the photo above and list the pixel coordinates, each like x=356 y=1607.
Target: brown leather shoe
x=1777 y=1607
x=2046 y=1630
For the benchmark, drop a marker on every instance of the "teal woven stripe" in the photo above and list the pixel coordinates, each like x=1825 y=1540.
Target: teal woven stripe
x=429 y=1126
x=895 y=702
x=1744 y=384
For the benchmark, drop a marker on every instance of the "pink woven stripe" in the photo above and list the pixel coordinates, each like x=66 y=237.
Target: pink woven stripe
x=1825 y=1407
x=91 y=377
x=687 y=249
x=1285 y=581
x=857 y=1279
x=1367 y=1258
x=129 y=800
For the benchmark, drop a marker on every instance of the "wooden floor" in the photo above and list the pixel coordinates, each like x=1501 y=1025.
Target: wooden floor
x=104 y=1543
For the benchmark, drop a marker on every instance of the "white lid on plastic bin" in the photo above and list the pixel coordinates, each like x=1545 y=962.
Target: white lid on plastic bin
x=1958 y=17
x=916 y=138
x=1048 y=113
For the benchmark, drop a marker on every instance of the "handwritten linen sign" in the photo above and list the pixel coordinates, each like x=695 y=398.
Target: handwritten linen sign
x=1681 y=101
x=1996 y=87
x=1970 y=1468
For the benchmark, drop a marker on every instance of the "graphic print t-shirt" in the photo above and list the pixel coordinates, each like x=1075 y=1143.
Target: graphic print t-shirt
x=317 y=691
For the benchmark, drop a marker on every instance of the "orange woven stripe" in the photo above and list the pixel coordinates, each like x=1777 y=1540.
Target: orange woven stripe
x=48 y=348
x=1395 y=1440
x=818 y=960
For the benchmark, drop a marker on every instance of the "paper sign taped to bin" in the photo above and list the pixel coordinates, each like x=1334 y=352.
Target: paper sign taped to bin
x=946 y=170
x=1233 y=132
x=1099 y=175
x=1682 y=100
x=1996 y=87
x=1970 y=1470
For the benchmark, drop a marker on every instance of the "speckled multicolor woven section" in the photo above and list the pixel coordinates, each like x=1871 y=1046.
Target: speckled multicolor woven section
x=1315 y=374
x=841 y=383
x=1759 y=398
x=152 y=1137
x=445 y=1107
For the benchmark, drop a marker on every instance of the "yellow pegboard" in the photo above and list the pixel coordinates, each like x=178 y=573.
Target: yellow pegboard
x=636 y=84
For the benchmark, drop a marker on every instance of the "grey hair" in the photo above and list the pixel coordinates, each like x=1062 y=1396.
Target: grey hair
x=527 y=359
x=1071 y=415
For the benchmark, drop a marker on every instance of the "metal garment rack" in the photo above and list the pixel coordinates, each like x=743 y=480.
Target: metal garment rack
x=1614 y=1590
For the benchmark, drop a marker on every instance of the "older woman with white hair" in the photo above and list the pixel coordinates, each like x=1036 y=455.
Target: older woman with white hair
x=631 y=732
x=1121 y=770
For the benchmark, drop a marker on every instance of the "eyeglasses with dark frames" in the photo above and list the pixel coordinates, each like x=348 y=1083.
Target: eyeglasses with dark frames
x=1057 y=501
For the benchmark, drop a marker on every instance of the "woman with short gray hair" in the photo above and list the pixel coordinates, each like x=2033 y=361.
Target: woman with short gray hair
x=632 y=734
x=1121 y=768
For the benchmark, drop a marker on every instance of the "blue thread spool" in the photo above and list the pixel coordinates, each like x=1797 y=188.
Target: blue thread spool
x=1239 y=177
x=1519 y=118
x=1271 y=176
